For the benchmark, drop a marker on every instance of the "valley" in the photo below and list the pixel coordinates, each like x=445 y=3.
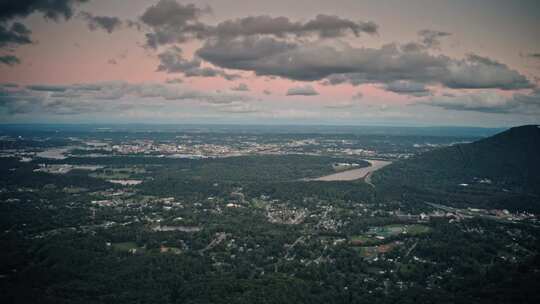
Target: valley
x=263 y=210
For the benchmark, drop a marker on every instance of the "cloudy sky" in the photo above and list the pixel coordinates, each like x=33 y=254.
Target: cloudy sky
x=341 y=62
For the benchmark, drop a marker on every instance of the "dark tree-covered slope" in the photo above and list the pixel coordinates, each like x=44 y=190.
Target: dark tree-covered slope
x=505 y=166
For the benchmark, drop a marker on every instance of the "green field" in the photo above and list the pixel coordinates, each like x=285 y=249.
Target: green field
x=397 y=229
x=374 y=235
x=417 y=229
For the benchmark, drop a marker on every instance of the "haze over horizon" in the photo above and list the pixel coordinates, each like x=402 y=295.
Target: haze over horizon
x=345 y=62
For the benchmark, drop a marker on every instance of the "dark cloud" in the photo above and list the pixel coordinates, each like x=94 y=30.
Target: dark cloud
x=9 y=60
x=334 y=26
x=172 y=61
x=259 y=44
x=13 y=35
x=316 y=61
x=489 y=102
x=431 y=38
x=323 y=25
x=339 y=62
x=172 y=13
x=251 y=54
x=241 y=87
x=109 y=24
x=52 y=9
x=477 y=72
x=306 y=90
x=172 y=22
x=407 y=88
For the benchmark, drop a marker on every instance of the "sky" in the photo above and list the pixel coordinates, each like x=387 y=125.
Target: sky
x=341 y=62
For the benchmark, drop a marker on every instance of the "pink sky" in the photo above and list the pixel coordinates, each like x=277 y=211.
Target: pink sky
x=68 y=52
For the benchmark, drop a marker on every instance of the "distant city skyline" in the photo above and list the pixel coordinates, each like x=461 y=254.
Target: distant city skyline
x=343 y=62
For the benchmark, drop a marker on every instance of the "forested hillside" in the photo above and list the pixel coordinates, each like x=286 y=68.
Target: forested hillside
x=502 y=166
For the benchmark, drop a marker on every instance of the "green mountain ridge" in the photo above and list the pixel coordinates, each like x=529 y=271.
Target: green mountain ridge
x=501 y=168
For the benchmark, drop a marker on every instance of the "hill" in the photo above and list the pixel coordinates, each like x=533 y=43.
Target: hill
x=498 y=171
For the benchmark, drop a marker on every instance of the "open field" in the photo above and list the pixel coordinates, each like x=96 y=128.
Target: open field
x=125 y=246
x=377 y=235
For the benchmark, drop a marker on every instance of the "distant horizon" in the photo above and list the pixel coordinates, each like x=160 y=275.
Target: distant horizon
x=453 y=131
x=261 y=125
x=270 y=124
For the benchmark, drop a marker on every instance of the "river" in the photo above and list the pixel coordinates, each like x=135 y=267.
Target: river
x=355 y=174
